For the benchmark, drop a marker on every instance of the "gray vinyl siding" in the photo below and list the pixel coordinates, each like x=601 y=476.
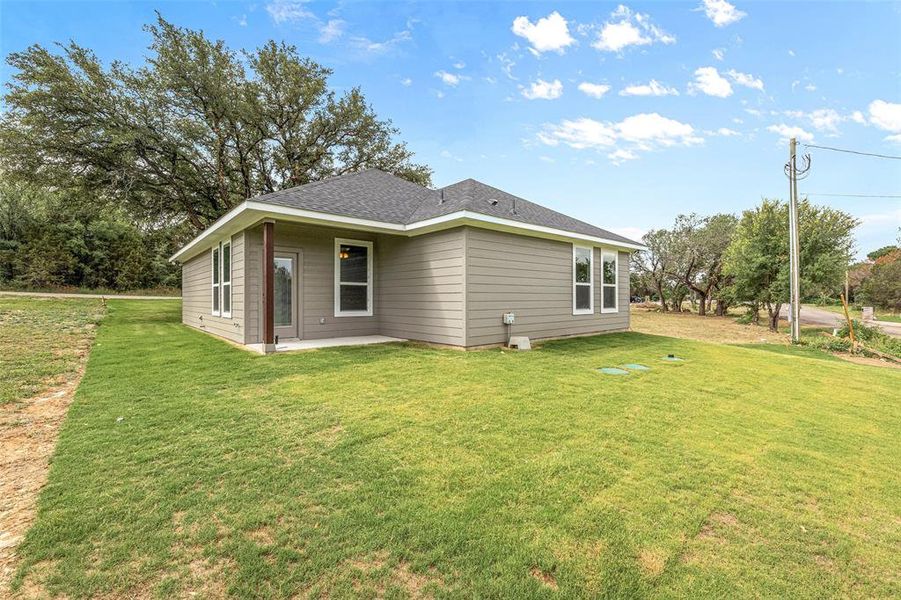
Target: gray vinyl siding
x=197 y=281
x=531 y=277
x=420 y=287
x=317 y=280
x=447 y=287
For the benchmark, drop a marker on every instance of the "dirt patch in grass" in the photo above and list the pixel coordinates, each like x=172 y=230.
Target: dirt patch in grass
x=262 y=535
x=401 y=575
x=716 y=522
x=545 y=578
x=28 y=432
x=723 y=330
x=869 y=361
x=652 y=561
x=44 y=345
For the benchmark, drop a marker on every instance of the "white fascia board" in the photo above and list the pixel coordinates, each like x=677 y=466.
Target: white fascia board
x=250 y=212
x=209 y=233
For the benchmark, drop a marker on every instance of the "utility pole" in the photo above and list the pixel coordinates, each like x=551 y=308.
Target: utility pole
x=793 y=242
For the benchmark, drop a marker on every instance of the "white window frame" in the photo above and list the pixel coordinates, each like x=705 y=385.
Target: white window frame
x=217 y=288
x=590 y=283
x=222 y=282
x=339 y=283
x=614 y=285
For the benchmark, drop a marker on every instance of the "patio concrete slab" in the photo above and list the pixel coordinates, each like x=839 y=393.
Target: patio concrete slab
x=290 y=345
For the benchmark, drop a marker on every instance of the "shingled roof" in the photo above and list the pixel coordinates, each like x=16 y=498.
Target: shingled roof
x=380 y=196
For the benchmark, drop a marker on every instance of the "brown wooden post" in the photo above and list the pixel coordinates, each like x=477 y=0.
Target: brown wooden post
x=269 y=285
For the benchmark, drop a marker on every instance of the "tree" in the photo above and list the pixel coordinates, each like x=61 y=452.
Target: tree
x=699 y=245
x=652 y=264
x=192 y=132
x=880 y=252
x=50 y=239
x=757 y=259
x=883 y=286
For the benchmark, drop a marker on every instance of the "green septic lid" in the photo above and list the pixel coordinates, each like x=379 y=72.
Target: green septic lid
x=637 y=367
x=613 y=371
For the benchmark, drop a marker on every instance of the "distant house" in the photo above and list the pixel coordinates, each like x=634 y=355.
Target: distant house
x=370 y=254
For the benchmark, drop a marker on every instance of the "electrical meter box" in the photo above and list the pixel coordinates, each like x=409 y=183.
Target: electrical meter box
x=509 y=318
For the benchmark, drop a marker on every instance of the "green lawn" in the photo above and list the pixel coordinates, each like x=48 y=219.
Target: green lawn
x=42 y=342
x=188 y=465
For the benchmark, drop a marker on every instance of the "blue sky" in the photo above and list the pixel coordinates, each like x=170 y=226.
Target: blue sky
x=624 y=115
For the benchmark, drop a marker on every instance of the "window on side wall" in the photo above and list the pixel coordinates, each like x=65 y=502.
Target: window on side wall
x=583 y=280
x=226 y=278
x=609 y=282
x=217 y=296
x=221 y=289
x=353 y=278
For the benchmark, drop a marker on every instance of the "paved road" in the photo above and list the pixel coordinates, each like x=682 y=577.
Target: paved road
x=824 y=318
x=109 y=296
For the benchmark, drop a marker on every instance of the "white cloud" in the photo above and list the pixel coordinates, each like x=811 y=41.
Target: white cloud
x=858 y=117
x=725 y=132
x=652 y=88
x=459 y=65
x=621 y=155
x=580 y=134
x=372 y=47
x=626 y=28
x=507 y=65
x=654 y=128
x=896 y=139
x=286 y=11
x=595 y=90
x=450 y=79
x=719 y=53
x=448 y=155
x=641 y=132
x=406 y=82
x=549 y=33
x=745 y=79
x=810 y=87
x=721 y=12
x=331 y=31
x=547 y=159
x=242 y=21
x=709 y=81
x=826 y=119
x=543 y=90
x=791 y=52
x=785 y=132
x=886 y=115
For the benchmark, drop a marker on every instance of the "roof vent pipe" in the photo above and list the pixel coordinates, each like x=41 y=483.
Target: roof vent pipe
x=442 y=197
x=514 y=205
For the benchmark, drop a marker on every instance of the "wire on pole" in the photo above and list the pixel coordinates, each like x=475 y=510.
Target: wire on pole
x=873 y=154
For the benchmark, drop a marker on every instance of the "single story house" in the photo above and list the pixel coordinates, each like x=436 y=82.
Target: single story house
x=370 y=254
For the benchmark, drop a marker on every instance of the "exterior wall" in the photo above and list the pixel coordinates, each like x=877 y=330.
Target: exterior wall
x=196 y=294
x=417 y=284
x=420 y=287
x=448 y=287
x=317 y=281
x=532 y=277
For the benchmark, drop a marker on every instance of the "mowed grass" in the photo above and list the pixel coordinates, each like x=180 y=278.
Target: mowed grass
x=42 y=342
x=190 y=466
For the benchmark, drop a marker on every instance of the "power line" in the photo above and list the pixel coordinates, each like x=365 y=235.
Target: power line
x=852 y=195
x=852 y=151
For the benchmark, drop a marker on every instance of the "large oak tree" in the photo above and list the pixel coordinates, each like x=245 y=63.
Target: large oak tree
x=193 y=131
